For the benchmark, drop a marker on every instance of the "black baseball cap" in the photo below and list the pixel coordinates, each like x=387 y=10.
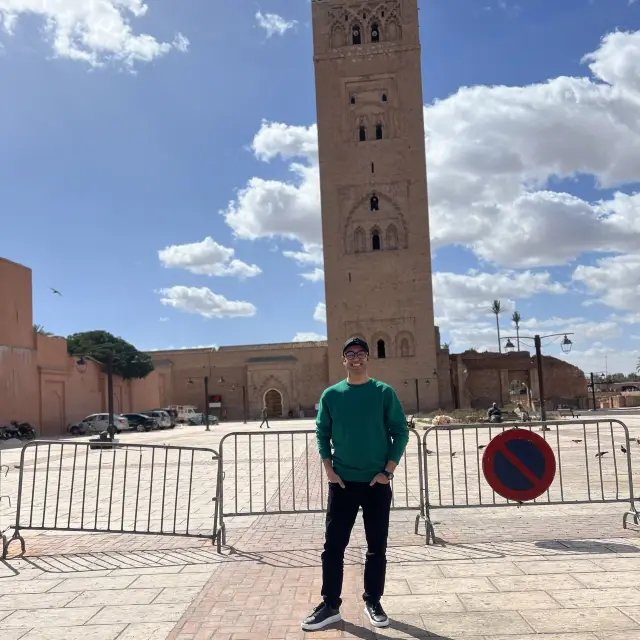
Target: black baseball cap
x=352 y=342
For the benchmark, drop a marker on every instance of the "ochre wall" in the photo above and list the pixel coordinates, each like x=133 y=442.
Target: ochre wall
x=39 y=382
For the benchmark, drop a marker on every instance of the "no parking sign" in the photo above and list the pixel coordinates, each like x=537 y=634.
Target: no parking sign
x=519 y=465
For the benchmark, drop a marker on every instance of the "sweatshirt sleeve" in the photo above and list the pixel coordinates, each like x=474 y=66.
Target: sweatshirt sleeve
x=396 y=424
x=323 y=429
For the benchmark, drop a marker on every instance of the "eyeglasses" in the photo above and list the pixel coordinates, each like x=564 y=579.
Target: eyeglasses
x=350 y=355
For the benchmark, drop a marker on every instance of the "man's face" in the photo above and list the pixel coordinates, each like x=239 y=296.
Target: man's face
x=355 y=358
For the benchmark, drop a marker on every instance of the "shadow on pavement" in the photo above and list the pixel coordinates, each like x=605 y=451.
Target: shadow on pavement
x=587 y=546
x=407 y=630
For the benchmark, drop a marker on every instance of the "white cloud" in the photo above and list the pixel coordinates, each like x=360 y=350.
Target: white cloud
x=202 y=301
x=92 y=31
x=320 y=313
x=317 y=275
x=615 y=281
x=461 y=298
x=493 y=155
x=308 y=336
x=600 y=357
x=274 y=24
x=164 y=319
x=206 y=258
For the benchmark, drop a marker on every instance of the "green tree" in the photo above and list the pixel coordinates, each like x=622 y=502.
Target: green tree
x=496 y=309
x=516 y=318
x=38 y=328
x=128 y=362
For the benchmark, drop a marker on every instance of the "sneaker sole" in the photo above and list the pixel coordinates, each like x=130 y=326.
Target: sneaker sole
x=323 y=624
x=378 y=625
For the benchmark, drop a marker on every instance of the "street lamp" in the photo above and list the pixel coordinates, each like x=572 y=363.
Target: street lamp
x=206 y=398
x=565 y=345
x=416 y=381
x=244 y=400
x=509 y=347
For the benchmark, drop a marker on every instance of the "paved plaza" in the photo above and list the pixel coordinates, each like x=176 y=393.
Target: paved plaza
x=554 y=572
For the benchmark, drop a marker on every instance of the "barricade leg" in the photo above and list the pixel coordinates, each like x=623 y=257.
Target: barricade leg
x=6 y=543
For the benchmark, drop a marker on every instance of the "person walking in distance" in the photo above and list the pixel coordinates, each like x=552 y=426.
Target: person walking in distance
x=265 y=418
x=363 y=421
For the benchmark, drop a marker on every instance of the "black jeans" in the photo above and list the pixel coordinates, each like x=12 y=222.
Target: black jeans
x=342 y=510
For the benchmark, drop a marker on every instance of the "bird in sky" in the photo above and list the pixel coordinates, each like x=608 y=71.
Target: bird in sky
x=55 y=291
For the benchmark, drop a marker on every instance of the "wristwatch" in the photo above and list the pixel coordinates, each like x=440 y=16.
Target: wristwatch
x=388 y=474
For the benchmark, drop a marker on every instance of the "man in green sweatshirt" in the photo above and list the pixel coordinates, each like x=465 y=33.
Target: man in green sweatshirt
x=362 y=433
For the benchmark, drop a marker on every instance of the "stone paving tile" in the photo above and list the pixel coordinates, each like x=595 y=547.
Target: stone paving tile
x=11 y=634
x=170 y=580
x=39 y=618
x=422 y=604
x=113 y=597
x=450 y=585
x=566 y=620
x=609 y=579
x=38 y=601
x=557 y=636
x=140 y=613
x=14 y=587
x=583 y=598
x=538 y=582
x=619 y=635
x=513 y=601
x=558 y=566
x=94 y=632
x=458 y=625
x=480 y=569
x=93 y=584
x=147 y=631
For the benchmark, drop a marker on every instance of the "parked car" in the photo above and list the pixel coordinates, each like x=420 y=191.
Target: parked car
x=96 y=423
x=162 y=417
x=141 y=422
x=198 y=419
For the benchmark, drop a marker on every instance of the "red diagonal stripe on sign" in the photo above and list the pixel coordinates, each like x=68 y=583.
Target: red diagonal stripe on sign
x=525 y=471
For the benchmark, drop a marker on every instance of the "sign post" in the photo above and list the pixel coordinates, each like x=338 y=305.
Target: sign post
x=519 y=465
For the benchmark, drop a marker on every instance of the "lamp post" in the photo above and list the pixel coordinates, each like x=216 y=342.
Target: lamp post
x=416 y=382
x=565 y=345
x=206 y=398
x=602 y=378
x=244 y=399
x=81 y=366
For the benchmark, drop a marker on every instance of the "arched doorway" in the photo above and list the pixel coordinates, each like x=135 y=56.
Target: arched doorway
x=273 y=403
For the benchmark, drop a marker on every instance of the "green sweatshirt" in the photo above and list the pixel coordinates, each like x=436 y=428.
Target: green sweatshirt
x=366 y=426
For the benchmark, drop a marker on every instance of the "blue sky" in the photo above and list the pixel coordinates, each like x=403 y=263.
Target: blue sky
x=117 y=147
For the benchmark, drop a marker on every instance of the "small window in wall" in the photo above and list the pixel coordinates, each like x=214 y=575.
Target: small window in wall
x=375 y=241
x=378 y=132
x=375 y=33
x=362 y=133
x=356 y=37
x=384 y=97
x=373 y=168
x=382 y=349
x=375 y=204
x=353 y=99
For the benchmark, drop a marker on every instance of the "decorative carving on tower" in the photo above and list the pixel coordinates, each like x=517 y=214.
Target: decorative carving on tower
x=365 y=23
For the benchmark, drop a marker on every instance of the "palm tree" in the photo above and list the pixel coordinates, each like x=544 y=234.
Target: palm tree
x=38 y=328
x=496 y=309
x=517 y=319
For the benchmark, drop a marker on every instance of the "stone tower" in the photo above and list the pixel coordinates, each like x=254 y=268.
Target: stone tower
x=375 y=221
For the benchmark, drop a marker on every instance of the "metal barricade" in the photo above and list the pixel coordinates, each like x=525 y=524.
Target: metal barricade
x=5 y=499
x=280 y=472
x=593 y=465
x=128 y=488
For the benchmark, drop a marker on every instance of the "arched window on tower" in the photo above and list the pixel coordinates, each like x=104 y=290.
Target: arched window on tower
x=356 y=34
x=384 y=97
x=375 y=240
x=362 y=132
x=391 y=237
x=375 y=32
x=375 y=205
x=359 y=240
x=378 y=132
x=381 y=349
